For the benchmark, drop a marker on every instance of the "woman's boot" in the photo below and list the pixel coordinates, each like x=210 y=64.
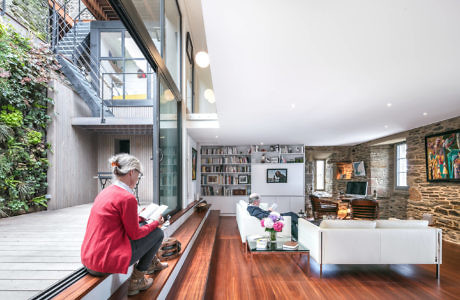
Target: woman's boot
x=138 y=282
x=156 y=265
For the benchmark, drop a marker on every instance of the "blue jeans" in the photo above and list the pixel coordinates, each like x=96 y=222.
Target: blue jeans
x=144 y=249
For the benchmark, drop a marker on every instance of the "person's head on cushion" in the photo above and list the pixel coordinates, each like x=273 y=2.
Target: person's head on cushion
x=254 y=199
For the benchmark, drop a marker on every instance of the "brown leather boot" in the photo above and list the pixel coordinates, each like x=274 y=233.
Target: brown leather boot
x=156 y=265
x=138 y=282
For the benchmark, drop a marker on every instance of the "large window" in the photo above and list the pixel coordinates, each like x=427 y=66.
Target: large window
x=320 y=175
x=125 y=74
x=172 y=40
x=169 y=149
x=401 y=166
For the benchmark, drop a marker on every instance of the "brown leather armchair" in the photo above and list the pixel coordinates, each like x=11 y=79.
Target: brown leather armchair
x=321 y=207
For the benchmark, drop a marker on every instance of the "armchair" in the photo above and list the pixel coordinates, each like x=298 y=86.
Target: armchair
x=321 y=207
x=364 y=209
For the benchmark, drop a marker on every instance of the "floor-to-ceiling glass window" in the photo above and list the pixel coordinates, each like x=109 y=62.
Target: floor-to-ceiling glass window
x=172 y=40
x=150 y=13
x=169 y=149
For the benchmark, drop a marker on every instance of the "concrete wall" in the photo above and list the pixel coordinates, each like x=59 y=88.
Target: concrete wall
x=73 y=159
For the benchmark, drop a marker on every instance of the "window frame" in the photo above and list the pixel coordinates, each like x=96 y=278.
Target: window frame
x=396 y=169
x=316 y=174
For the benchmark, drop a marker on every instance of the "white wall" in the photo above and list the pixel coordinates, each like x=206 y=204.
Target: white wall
x=191 y=187
x=293 y=187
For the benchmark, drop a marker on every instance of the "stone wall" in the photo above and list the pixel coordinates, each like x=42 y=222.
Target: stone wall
x=442 y=200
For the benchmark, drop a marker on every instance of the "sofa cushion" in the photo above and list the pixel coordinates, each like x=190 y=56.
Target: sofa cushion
x=402 y=224
x=243 y=204
x=347 y=224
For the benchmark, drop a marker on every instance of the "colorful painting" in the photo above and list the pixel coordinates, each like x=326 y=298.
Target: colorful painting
x=443 y=156
x=194 y=157
x=358 y=169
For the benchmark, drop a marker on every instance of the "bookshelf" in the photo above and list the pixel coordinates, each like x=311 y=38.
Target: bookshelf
x=277 y=153
x=225 y=170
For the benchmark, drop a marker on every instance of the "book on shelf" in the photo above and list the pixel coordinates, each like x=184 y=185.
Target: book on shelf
x=290 y=245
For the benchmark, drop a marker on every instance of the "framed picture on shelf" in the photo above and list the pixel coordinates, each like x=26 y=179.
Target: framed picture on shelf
x=443 y=156
x=212 y=179
x=358 y=168
x=274 y=160
x=194 y=158
x=243 y=179
x=276 y=175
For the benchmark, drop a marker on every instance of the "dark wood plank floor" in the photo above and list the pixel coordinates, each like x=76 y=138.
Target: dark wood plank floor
x=192 y=280
x=278 y=277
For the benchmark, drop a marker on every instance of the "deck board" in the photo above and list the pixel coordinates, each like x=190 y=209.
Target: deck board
x=38 y=249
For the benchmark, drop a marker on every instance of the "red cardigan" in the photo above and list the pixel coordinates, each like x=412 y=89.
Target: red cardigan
x=113 y=222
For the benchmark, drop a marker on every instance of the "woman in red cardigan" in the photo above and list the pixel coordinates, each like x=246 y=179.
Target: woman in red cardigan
x=114 y=240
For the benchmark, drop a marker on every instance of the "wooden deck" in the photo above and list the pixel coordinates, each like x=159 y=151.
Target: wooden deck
x=38 y=249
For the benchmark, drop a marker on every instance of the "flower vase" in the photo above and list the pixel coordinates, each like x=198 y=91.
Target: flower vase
x=273 y=236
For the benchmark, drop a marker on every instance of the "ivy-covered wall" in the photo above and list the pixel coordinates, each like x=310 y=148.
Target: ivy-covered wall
x=31 y=13
x=24 y=74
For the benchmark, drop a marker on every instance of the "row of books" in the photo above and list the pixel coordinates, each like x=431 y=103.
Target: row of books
x=225 y=179
x=226 y=160
x=224 y=191
x=228 y=169
x=222 y=150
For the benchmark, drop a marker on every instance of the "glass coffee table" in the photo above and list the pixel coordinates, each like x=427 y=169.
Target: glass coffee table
x=276 y=248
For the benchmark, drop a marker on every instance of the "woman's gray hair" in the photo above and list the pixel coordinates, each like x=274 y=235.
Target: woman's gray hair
x=122 y=163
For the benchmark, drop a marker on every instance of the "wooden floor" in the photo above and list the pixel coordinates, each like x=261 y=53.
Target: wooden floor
x=278 y=277
x=39 y=249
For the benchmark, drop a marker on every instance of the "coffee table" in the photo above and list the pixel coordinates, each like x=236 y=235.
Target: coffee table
x=277 y=249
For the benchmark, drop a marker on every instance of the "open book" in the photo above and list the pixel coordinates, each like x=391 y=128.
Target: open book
x=153 y=211
x=273 y=206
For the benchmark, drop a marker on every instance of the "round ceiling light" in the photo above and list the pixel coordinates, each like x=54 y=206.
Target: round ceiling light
x=209 y=95
x=202 y=59
x=168 y=95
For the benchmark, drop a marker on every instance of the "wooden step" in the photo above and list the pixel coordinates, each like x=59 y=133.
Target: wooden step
x=184 y=234
x=192 y=280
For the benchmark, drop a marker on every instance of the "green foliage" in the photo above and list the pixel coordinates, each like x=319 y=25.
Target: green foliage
x=12 y=119
x=24 y=73
x=32 y=13
x=34 y=137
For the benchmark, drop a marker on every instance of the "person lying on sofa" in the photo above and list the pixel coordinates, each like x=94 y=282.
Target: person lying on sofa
x=255 y=211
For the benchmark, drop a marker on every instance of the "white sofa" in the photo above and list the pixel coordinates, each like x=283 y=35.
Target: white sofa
x=248 y=225
x=372 y=242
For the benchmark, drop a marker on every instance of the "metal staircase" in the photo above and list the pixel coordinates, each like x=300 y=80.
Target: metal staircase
x=69 y=39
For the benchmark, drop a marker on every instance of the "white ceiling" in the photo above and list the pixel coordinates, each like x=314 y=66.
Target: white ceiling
x=339 y=62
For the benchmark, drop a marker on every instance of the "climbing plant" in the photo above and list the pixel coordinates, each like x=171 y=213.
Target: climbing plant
x=25 y=71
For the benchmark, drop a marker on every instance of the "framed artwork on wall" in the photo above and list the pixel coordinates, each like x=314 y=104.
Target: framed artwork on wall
x=358 y=168
x=276 y=175
x=443 y=156
x=189 y=48
x=194 y=157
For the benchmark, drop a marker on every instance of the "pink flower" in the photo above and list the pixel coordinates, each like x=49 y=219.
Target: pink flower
x=262 y=223
x=278 y=226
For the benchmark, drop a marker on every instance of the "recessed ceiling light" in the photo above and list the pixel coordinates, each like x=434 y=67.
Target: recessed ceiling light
x=386 y=126
x=261 y=143
x=292 y=105
x=217 y=136
x=425 y=114
x=389 y=104
x=202 y=59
